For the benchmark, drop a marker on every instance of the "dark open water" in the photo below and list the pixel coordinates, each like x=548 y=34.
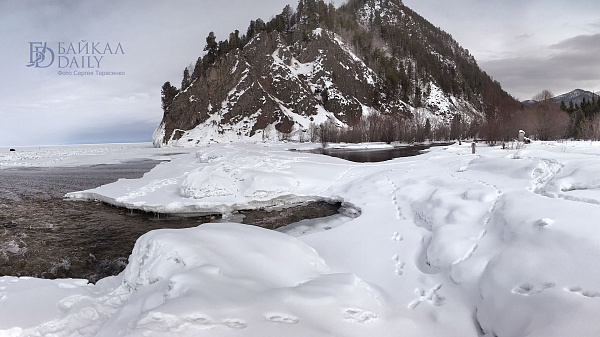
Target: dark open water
x=42 y=235
x=376 y=155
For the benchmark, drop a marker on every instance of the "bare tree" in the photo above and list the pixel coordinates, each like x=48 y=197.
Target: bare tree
x=547 y=120
x=422 y=125
x=590 y=128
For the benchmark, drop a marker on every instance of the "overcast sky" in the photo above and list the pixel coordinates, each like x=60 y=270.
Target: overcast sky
x=526 y=45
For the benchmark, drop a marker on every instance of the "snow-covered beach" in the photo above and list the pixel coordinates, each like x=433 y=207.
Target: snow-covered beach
x=448 y=243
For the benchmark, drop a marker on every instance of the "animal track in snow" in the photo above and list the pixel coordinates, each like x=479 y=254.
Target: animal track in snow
x=281 y=318
x=579 y=291
x=397 y=237
x=359 y=315
x=399 y=268
x=197 y=318
x=528 y=289
x=545 y=172
x=544 y=222
x=158 y=321
x=399 y=214
x=430 y=296
x=468 y=254
x=235 y=323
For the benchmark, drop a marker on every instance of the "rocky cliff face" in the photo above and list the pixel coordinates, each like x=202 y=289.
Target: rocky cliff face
x=274 y=85
x=281 y=82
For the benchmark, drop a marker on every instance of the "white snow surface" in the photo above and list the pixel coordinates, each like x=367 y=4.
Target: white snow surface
x=81 y=155
x=367 y=13
x=500 y=243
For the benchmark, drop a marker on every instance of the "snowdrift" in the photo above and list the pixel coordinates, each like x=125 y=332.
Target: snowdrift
x=500 y=243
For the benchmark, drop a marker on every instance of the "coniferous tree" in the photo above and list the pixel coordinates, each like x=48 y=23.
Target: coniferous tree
x=260 y=25
x=211 y=49
x=417 y=100
x=234 y=40
x=300 y=10
x=427 y=130
x=456 y=127
x=167 y=94
x=251 y=31
x=286 y=16
x=223 y=48
x=563 y=106
x=330 y=18
x=571 y=107
x=185 y=82
x=198 y=70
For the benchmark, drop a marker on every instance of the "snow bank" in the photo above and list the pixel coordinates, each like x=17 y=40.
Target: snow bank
x=500 y=243
x=216 y=279
x=359 y=146
x=223 y=178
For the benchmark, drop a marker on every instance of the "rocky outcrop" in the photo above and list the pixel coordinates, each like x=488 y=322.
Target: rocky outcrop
x=281 y=81
x=273 y=81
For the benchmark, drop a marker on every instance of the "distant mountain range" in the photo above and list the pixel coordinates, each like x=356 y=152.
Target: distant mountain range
x=576 y=96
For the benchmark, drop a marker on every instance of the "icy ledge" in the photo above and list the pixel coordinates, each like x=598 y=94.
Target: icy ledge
x=222 y=179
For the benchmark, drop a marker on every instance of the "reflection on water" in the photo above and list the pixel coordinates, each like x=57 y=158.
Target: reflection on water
x=44 y=236
x=55 y=239
x=273 y=219
x=375 y=155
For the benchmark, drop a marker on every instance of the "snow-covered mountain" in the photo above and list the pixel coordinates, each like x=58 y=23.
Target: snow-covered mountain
x=321 y=64
x=576 y=96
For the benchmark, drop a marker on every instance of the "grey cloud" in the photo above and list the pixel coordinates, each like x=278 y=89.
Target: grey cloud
x=160 y=38
x=523 y=37
x=564 y=66
x=504 y=35
x=587 y=44
x=129 y=132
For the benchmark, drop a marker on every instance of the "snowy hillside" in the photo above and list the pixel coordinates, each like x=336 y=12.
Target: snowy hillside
x=322 y=64
x=576 y=96
x=294 y=91
x=500 y=243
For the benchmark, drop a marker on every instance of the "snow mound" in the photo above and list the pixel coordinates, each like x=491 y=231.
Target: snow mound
x=170 y=252
x=216 y=279
x=256 y=179
x=219 y=278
